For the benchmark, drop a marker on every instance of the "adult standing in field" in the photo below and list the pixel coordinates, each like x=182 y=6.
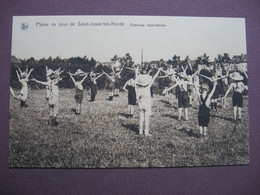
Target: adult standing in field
x=79 y=89
x=23 y=78
x=53 y=98
x=130 y=88
x=204 y=112
x=237 y=100
x=93 y=85
x=143 y=96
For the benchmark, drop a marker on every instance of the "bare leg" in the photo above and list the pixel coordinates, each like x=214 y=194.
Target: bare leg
x=205 y=131
x=235 y=112
x=239 y=113
x=147 y=121
x=141 y=123
x=201 y=130
x=180 y=113
x=186 y=114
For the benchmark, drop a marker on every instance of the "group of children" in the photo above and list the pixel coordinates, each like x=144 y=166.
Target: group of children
x=139 y=92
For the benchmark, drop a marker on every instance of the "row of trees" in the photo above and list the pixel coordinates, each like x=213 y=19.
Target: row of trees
x=87 y=65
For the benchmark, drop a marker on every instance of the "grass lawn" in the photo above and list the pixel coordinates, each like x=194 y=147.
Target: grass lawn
x=104 y=137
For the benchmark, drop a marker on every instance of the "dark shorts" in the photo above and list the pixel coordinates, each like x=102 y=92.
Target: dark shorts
x=203 y=116
x=79 y=98
x=183 y=99
x=131 y=100
x=237 y=99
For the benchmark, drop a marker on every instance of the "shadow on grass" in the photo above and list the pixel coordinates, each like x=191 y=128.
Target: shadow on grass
x=189 y=132
x=223 y=117
x=133 y=127
x=125 y=115
x=170 y=116
x=167 y=104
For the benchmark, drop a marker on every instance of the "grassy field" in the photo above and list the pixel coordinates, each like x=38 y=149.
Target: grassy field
x=103 y=137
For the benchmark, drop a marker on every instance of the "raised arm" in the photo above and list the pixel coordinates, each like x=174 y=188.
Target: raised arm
x=83 y=79
x=213 y=90
x=72 y=78
x=19 y=70
x=27 y=77
x=60 y=72
x=230 y=87
x=205 y=77
x=189 y=64
x=155 y=76
x=170 y=88
x=26 y=69
x=99 y=76
x=40 y=82
x=108 y=76
x=18 y=76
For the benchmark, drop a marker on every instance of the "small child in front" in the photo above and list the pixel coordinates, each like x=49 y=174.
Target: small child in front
x=143 y=96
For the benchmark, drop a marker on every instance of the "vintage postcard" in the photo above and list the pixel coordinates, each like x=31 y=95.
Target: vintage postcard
x=128 y=92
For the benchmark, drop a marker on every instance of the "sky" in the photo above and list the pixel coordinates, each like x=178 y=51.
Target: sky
x=182 y=36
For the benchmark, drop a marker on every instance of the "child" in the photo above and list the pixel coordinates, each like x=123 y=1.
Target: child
x=79 y=89
x=130 y=88
x=49 y=72
x=183 y=97
x=204 y=112
x=237 y=99
x=143 y=95
x=93 y=85
x=114 y=78
x=53 y=98
x=23 y=79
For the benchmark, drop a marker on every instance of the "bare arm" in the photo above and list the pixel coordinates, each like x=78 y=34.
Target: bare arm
x=40 y=82
x=72 y=78
x=12 y=92
x=170 y=88
x=213 y=90
x=124 y=88
x=19 y=70
x=18 y=76
x=99 y=75
x=205 y=77
x=108 y=76
x=83 y=79
x=29 y=74
x=155 y=76
x=231 y=86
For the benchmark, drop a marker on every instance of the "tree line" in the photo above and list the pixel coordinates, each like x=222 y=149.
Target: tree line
x=88 y=65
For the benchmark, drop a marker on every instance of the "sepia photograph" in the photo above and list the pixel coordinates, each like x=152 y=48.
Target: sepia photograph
x=128 y=92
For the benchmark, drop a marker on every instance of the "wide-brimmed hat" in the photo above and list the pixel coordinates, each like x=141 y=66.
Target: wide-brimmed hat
x=49 y=72
x=236 y=76
x=205 y=86
x=144 y=80
x=23 y=74
x=79 y=72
